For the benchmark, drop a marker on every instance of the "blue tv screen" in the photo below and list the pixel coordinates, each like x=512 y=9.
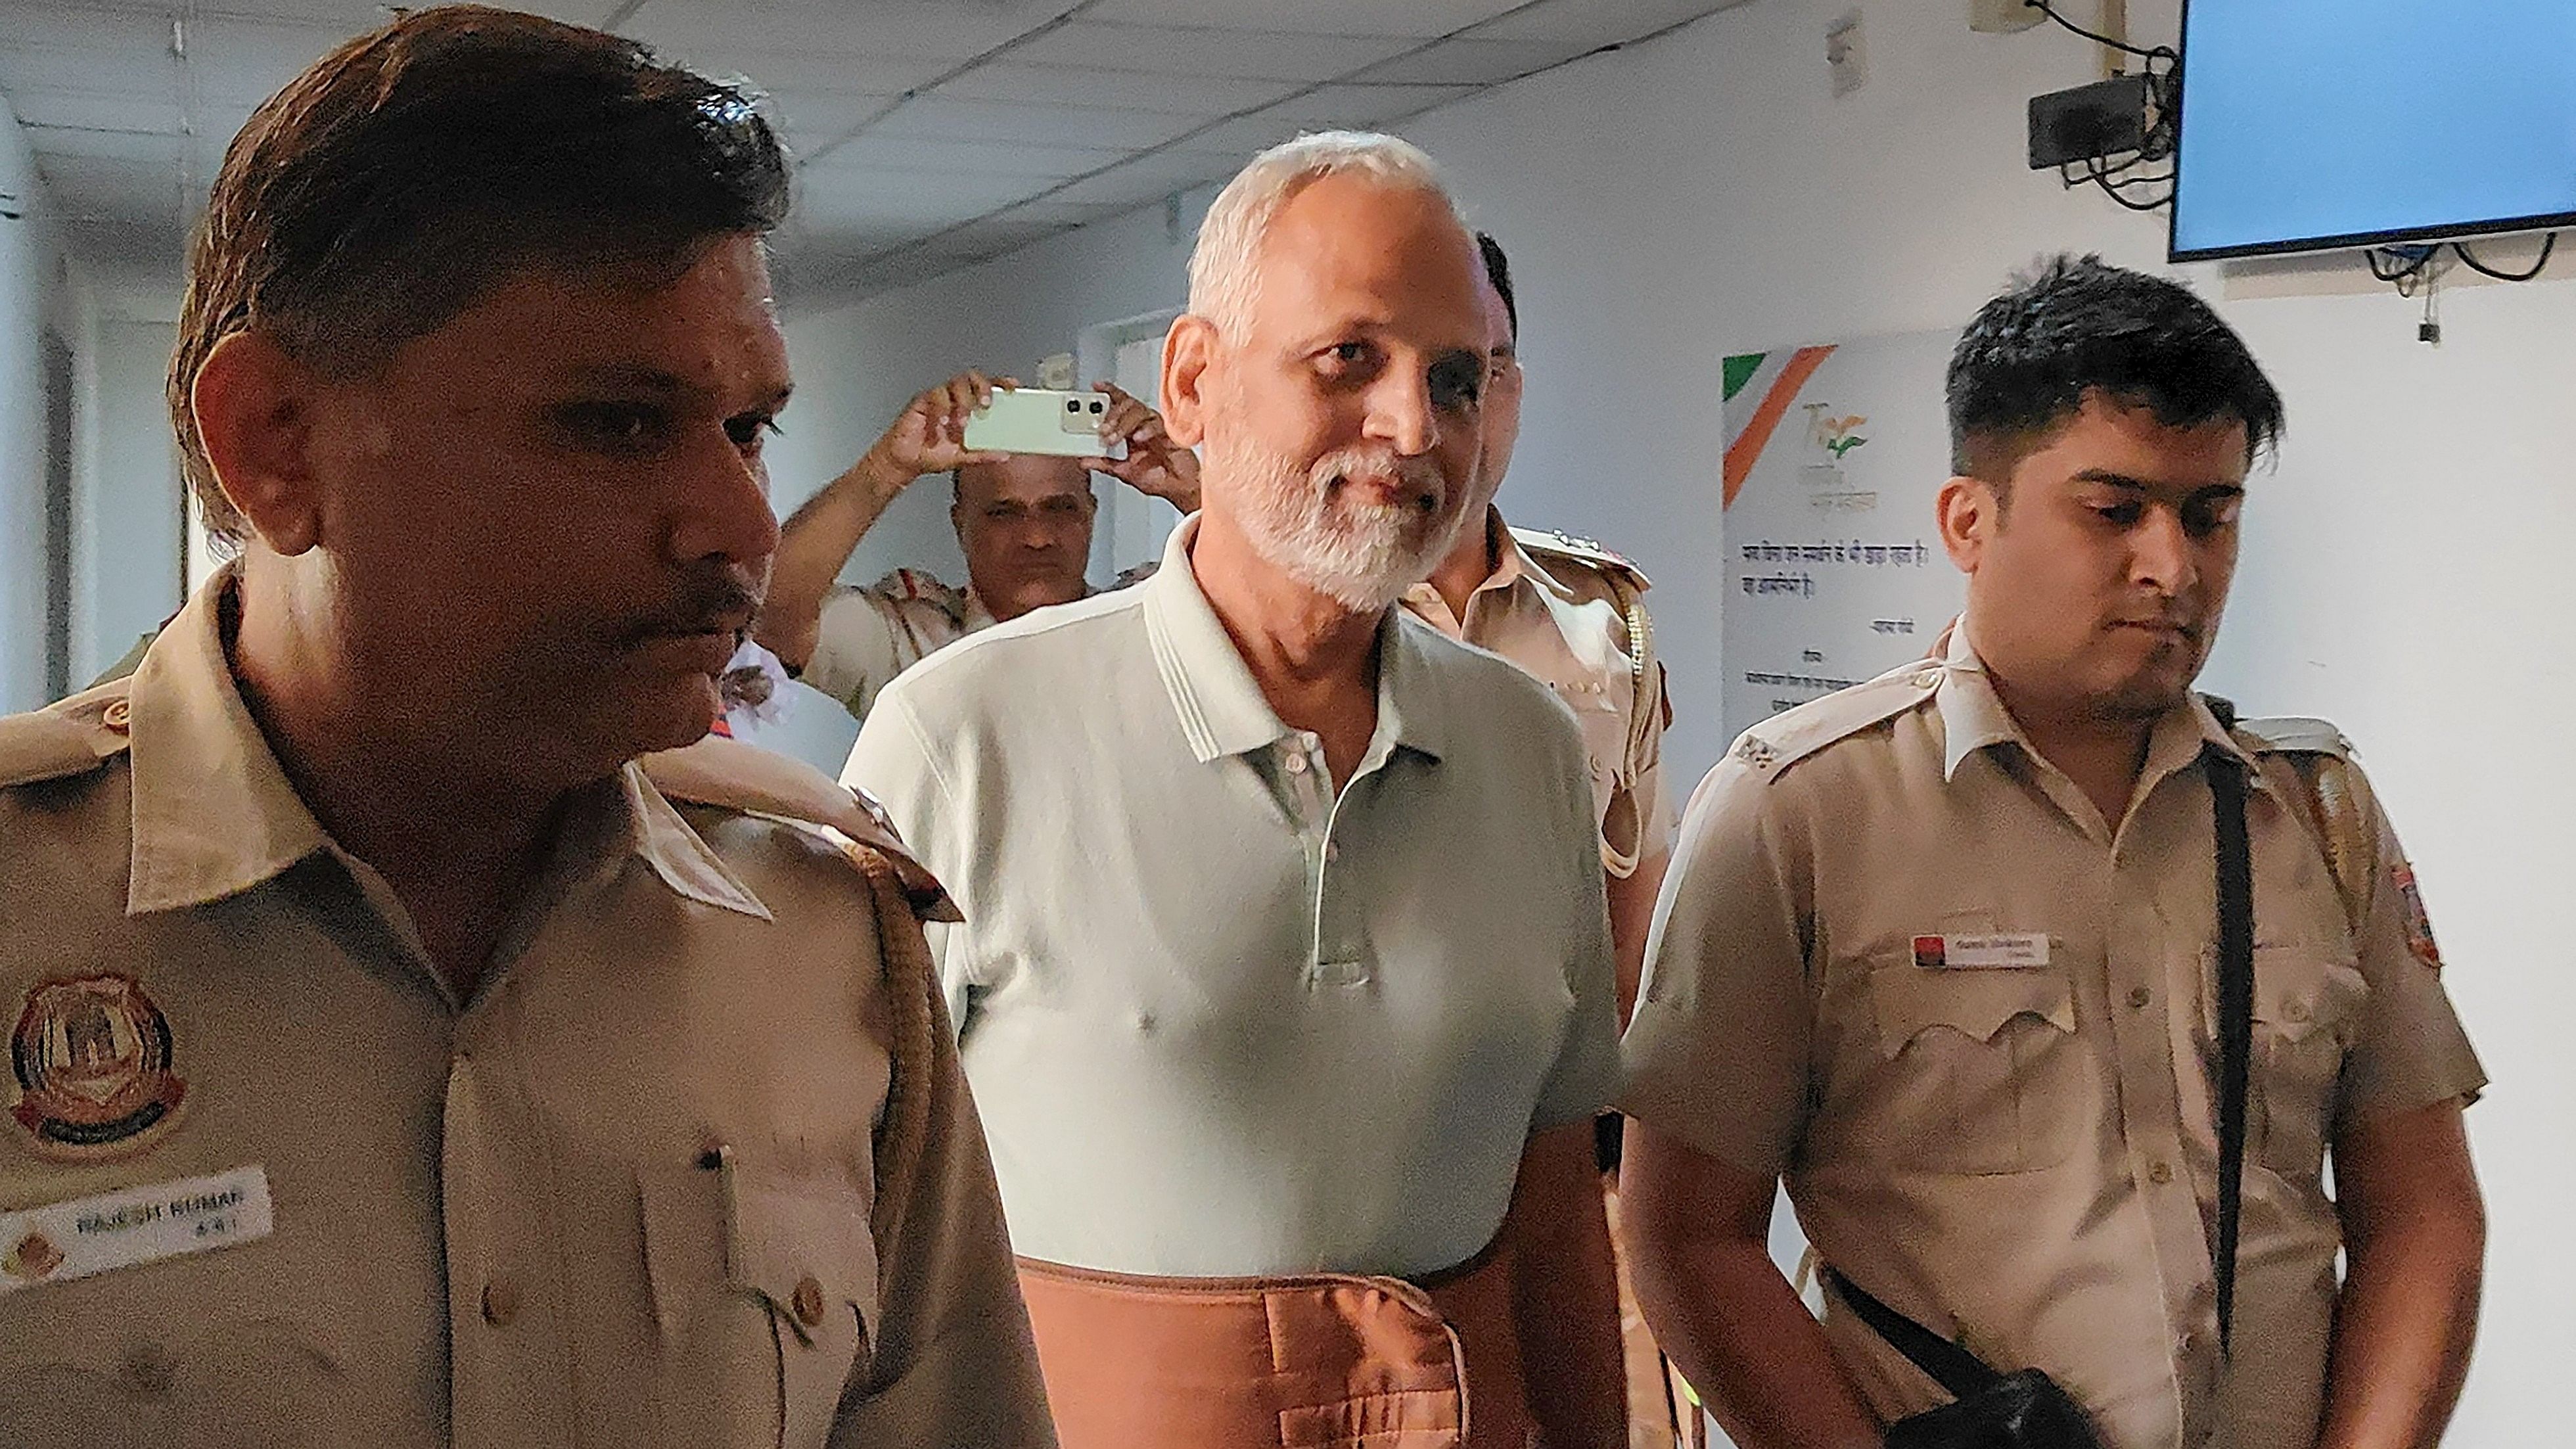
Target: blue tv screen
x=2310 y=124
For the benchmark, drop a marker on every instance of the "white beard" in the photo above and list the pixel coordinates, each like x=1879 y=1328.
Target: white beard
x=1361 y=554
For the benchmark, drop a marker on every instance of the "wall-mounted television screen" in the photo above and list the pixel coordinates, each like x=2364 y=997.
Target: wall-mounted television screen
x=2314 y=124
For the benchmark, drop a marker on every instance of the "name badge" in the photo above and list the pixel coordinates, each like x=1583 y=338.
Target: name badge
x=133 y=1226
x=2006 y=951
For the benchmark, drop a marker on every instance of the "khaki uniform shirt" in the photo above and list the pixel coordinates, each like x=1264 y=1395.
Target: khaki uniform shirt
x=1570 y=612
x=1903 y=961
x=868 y=636
x=264 y=1180
x=1221 y=1021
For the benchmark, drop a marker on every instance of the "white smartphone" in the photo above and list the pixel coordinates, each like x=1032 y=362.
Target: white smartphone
x=1043 y=420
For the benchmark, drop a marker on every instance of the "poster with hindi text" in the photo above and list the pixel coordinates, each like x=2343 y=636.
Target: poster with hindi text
x=1834 y=567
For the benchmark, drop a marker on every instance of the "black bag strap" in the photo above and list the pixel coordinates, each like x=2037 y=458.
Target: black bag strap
x=1949 y=1364
x=2235 y=1015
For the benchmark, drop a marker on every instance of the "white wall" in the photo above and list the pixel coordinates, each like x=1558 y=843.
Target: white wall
x=30 y=271
x=2404 y=570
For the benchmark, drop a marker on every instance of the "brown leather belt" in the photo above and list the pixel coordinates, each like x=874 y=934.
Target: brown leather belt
x=1318 y=1361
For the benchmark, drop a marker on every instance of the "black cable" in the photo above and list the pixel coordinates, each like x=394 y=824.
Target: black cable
x=2548 y=245
x=2111 y=189
x=2161 y=52
x=2400 y=266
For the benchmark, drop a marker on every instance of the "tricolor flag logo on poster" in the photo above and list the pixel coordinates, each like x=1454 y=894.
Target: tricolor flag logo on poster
x=1834 y=455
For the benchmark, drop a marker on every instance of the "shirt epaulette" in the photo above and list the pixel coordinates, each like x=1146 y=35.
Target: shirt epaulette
x=1771 y=747
x=727 y=774
x=2294 y=736
x=68 y=738
x=1582 y=550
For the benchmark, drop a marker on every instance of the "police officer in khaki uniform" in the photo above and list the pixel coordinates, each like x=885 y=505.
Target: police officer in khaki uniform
x=1941 y=949
x=1023 y=523
x=1574 y=614
x=395 y=1060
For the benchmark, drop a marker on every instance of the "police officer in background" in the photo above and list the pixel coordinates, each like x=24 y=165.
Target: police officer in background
x=395 y=1059
x=1943 y=950
x=1574 y=614
x=1023 y=523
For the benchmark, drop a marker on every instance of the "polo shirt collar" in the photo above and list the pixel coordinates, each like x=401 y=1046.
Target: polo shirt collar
x=1220 y=706
x=214 y=813
x=1973 y=718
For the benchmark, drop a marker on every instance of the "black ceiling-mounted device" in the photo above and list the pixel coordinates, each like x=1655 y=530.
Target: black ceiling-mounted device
x=2090 y=123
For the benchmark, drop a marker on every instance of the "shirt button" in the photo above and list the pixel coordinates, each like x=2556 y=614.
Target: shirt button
x=808 y=1301
x=1296 y=764
x=2139 y=996
x=2160 y=1174
x=500 y=1302
x=2295 y=1009
x=116 y=714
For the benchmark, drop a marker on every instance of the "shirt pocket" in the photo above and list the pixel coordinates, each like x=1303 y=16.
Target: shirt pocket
x=2307 y=1009
x=765 y=1293
x=1979 y=1072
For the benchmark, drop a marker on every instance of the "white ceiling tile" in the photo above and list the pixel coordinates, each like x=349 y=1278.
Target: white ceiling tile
x=950 y=31
x=1007 y=233
x=1478 y=62
x=1132 y=186
x=108 y=188
x=244 y=62
x=938 y=116
x=1183 y=50
x=1133 y=90
x=98 y=110
x=154 y=148
x=975 y=158
x=1353 y=106
x=355 y=17
x=1419 y=19
x=904 y=198
x=1240 y=139
x=810 y=118
x=751 y=60
x=1071 y=213
x=1602 y=22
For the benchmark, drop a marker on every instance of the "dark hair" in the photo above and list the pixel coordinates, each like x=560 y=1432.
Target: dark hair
x=1498 y=270
x=402 y=176
x=2081 y=327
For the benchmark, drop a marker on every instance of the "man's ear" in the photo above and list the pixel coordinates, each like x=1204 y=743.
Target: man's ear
x=1187 y=350
x=1968 y=509
x=254 y=407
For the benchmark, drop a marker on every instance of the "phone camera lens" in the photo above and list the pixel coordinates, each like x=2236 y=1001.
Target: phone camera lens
x=1072 y=405
x=1096 y=406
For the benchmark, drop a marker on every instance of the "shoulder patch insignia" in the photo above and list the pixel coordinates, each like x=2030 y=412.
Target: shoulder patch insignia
x=2294 y=736
x=1790 y=736
x=2419 y=926
x=92 y=1059
x=71 y=737
x=731 y=775
x=1567 y=545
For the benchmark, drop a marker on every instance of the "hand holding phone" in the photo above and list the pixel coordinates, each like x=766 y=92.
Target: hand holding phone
x=1041 y=420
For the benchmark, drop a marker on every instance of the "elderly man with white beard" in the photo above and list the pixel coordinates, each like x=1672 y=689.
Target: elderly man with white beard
x=1285 y=983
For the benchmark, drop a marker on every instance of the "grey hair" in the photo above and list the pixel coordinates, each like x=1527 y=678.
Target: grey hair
x=1223 y=277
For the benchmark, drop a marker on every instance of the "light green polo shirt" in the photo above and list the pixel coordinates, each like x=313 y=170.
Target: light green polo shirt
x=1217 y=1021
